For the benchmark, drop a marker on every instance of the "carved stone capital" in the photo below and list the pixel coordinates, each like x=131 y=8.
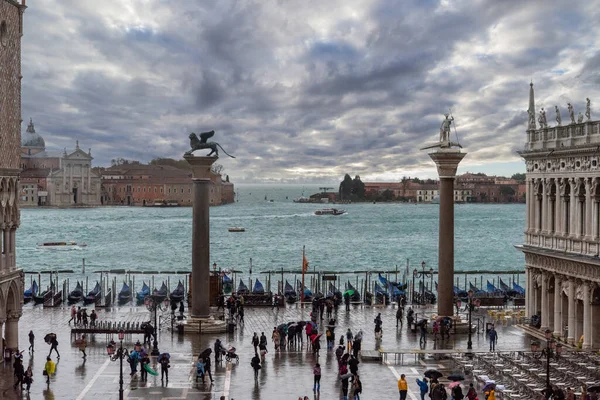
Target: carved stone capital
x=13 y=315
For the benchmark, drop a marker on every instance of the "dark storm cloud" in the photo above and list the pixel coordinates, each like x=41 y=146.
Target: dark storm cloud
x=303 y=91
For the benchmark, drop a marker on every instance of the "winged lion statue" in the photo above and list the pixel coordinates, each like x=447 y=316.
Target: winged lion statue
x=202 y=143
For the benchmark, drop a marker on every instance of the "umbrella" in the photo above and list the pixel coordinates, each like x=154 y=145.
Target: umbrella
x=349 y=292
x=422 y=322
x=302 y=323
x=314 y=338
x=488 y=386
x=281 y=327
x=456 y=376
x=453 y=385
x=205 y=353
x=433 y=374
x=594 y=389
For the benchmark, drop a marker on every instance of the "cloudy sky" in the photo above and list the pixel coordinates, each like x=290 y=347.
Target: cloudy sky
x=305 y=90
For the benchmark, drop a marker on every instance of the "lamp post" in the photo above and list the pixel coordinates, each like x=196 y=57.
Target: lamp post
x=120 y=354
x=153 y=303
x=423 y=280
x=431 y=279
x=422 y=276
x=413 y=285
x=552 y=349
x=470 y=342
x=215 y=267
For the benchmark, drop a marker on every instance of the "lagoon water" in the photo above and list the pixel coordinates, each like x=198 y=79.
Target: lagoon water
x=369 y=237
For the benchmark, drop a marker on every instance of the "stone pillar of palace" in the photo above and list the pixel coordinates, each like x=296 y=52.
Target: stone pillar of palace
x=201 y=235
x=572 y=312
x=11 y=332
x=587 y=317
x=545 y=309
x=446 y=160
x=557 y=307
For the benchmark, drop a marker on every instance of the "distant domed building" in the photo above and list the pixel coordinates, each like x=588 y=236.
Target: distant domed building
x=60 y=179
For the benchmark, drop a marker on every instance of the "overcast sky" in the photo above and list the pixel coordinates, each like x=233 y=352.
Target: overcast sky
x=305 y=90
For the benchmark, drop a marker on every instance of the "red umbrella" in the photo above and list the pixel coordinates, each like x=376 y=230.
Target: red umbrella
x=314 y=338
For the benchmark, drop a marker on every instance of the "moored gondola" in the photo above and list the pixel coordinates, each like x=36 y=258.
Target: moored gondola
x=141 y=295
x=289 y=293
x=29 y=293
x=356 y=295
x=39 y=298
x=93 y=295
x=258 y=288
x=177 y=294
x=76 y=294
x=125 y=294
x=242 y=288
x=161 y=294
x=227 y=284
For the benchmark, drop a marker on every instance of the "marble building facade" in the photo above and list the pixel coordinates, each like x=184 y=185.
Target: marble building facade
x=562 y=235
x=11 y=277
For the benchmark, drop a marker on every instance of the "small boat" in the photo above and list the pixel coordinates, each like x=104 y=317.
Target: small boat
x=177 y=294
x=356 y=295
x=237 y=229
x=76 y=295
x=258 y=288
x=41 y=297
x=141 y=295
x=242 y=288
x=161 y=294
x=308 y=295
x=29 y=293
x=381 y=295
x=125 y=294
x=94 y=295
x=289 y=293
x=60 y=244
x=227 y=284
x=330 y=211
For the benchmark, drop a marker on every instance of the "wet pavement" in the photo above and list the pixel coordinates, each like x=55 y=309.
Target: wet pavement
x=284 y=375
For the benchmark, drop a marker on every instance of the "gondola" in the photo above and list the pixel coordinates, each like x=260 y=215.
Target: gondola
x=93 y=295
x=227 y=284
x=125 y=294
x=41 y=297
x=161 y=294
x=308 y=295
x=381 y=294
x=258 y=288
x=516 y=288
x=289 y=293
x=141 y=295
x=356 y=295
x=29 y=293
x=242 y=288
x=461 y=294
x=491 y=289
x=177 y=294
x=76 y=294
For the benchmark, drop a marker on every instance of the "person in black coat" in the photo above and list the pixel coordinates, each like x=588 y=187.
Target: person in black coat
x=255 y=363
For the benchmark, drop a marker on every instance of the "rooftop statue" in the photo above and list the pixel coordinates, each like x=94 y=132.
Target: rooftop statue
x=445 y=142
x=199 y=144
x=531 y=114
x=542 y=119
x=580 y=118
x=571 y=112
x=558 y=120
x=588 y=111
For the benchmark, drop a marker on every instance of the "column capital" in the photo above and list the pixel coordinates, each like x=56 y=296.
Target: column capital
x=446 y=161
x=200 y=166
x=13 y=315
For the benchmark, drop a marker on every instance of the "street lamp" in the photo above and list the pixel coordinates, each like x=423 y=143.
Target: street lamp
x=423 y=280
x=469 y=342
x=153 y=303
x=552 y=349
x=120 y=354
x=215 y=267
x=413 y=285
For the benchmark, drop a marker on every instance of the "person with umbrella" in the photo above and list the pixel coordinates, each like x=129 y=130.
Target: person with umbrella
x=347 y=301
x=402 y=387
x=255 y=363
x=163 y=360
x=423 y=387
x=51 y=338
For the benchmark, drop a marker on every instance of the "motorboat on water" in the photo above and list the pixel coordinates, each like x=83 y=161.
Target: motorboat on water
x=49 y=245
x=29 y=293
x=177 y=294
x=330 y=211
x=76 y=295
x=125 y=294
x=237 y=229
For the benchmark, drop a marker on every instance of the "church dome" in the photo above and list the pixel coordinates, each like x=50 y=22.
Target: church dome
x=31 y=138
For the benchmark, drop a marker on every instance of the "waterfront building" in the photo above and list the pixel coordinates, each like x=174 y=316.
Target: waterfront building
x=53 y=178
x=11 y=277
x=147 y=185
x=562 y=231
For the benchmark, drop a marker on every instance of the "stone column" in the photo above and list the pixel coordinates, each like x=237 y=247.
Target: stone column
x=545 y=312
x=544 y=205
x=528 y=193
x=7 y=249
x=557 y=213
x=557 y=307
x=527 y=301
x=13 y=248
x=201 y=235
x=587 y=317
x=447 y=161
x=2 y=255
x=573 y=210
x=12 y=330
x=588 y=209
x=572 y=311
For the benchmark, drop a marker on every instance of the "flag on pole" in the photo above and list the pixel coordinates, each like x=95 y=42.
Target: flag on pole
x=304 y=263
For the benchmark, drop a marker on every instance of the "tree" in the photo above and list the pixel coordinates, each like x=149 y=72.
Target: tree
x=181 y=164
x=387 y=195
x=518 y=177
x=346 y=188
x=358 y=188
x=506 y=190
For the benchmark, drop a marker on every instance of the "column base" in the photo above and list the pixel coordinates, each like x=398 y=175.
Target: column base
x=208 y=325
x=571 y=341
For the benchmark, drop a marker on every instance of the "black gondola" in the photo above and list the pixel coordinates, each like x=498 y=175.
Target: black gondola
x=289 y=293
x=161 y=294
x=125 y=294
x=76 y=294
x=178 y=293
x=41 y=297
x=381 y=295
x=141 y=295
x=242 y=288
x=94 y=295
x=258 y=288
x=356 y=295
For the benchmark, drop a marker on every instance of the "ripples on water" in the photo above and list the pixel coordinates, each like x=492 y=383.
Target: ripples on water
x=370 y=236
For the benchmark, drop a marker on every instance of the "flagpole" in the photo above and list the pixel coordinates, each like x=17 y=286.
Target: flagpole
x=302 y=287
